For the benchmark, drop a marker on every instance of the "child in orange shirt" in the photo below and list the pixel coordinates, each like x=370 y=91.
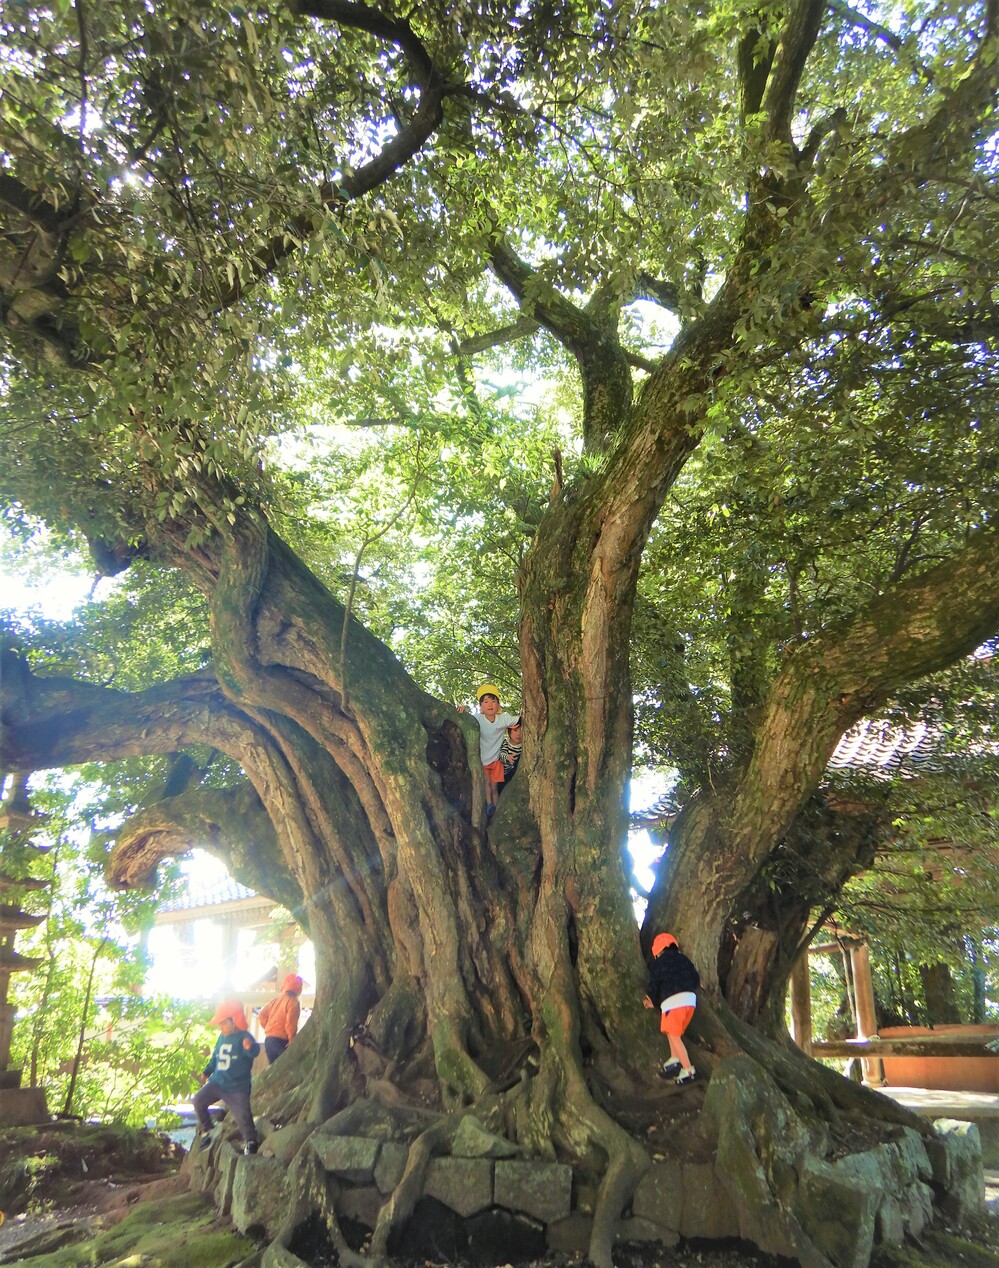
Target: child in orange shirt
x=279 y=1018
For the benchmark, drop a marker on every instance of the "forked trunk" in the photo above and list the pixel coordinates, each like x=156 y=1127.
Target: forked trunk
x=461 y=970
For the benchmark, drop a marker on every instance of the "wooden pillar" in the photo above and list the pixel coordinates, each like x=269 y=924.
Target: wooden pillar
x=6 y=1031
x=801 y=1004
x=230 y=933
x=867 y=1022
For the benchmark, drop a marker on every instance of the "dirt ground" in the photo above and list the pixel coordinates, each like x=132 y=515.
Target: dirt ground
x=74 y=1175
x=68 y=1203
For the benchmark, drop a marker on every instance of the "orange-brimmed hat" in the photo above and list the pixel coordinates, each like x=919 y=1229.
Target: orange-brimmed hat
x=661 y=941
x=231 y=1009
x=292 y=982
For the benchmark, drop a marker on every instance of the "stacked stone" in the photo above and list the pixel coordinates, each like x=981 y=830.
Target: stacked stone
x=485 y=1203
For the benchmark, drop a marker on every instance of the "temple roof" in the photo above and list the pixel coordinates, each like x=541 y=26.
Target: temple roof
x=875 y=746
x=215 y=893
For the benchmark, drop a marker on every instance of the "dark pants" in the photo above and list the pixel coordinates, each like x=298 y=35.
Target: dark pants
x=274 y=1046
x=237 y=1101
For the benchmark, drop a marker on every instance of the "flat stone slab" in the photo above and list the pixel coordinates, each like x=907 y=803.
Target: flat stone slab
x=226 y=1159
x=837 y=1205
x=392 y=1158
x=259 y=1195
x=637 y=1229
x=659 y=1195
x=465 y=1185
x=361 y=1205
x=351 y=1158
x=542 y=1190
x=472 y=1140
x=956 y=1155
x=706 y=1210
x=284 y=1142
x=571 y=1235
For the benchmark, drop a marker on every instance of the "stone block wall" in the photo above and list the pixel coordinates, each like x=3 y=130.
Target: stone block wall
x=515 y=1208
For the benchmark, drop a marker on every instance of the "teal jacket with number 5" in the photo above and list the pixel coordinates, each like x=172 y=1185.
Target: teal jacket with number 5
x=232 y=1060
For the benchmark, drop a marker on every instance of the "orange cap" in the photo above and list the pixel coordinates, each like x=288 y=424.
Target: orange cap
x=231 y=1009
x=661 y=941
x=292 y=982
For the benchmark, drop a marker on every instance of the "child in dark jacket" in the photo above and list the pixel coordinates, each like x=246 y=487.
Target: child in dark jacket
x=673 y=983
x=226 y=1077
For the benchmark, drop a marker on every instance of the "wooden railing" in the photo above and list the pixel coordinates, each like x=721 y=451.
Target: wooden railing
x=917 y=1046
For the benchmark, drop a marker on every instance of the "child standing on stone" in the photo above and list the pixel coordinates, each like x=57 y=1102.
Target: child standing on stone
x=226 y=1077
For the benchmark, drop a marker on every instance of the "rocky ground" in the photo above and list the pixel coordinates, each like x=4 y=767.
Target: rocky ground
x=78 y=1196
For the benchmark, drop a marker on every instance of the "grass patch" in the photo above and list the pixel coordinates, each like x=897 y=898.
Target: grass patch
x=178 y=1232
x=941 y=1248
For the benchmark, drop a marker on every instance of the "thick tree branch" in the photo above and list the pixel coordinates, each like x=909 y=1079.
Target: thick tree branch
x=755 y=58
x=950 y=132
x=607 y=387
x=671 y=297
x=362 y=17
x=920 y=626
x=35 y=300
x=796 y=42
x=230 y=823
x=540 y=300
x=860 y=20
x=393 y=156
x=817 y=135
x=519 y=329
x=55 y=721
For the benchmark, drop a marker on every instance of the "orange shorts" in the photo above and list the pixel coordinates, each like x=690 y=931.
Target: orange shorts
x=676 y=1021
x=494 y=772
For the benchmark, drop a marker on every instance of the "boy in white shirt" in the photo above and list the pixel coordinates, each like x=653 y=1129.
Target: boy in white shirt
x=492 y=729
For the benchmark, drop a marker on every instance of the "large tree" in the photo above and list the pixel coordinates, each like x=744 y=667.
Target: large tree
x=220 y=221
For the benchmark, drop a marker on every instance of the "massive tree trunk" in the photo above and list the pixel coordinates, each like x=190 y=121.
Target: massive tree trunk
x=456 y=966
x=460 y=966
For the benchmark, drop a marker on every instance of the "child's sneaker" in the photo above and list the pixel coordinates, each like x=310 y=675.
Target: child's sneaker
x=670 y=1069
x=685 y=1076
x=250 y=1147
x=204 y=1140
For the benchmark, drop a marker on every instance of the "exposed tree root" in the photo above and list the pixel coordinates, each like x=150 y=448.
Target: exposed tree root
x=754 y=1154
x=311 y=1187
x=396 y=1211
x=829 y=1094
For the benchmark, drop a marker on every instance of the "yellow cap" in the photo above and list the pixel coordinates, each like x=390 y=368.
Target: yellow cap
x=487 y=689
